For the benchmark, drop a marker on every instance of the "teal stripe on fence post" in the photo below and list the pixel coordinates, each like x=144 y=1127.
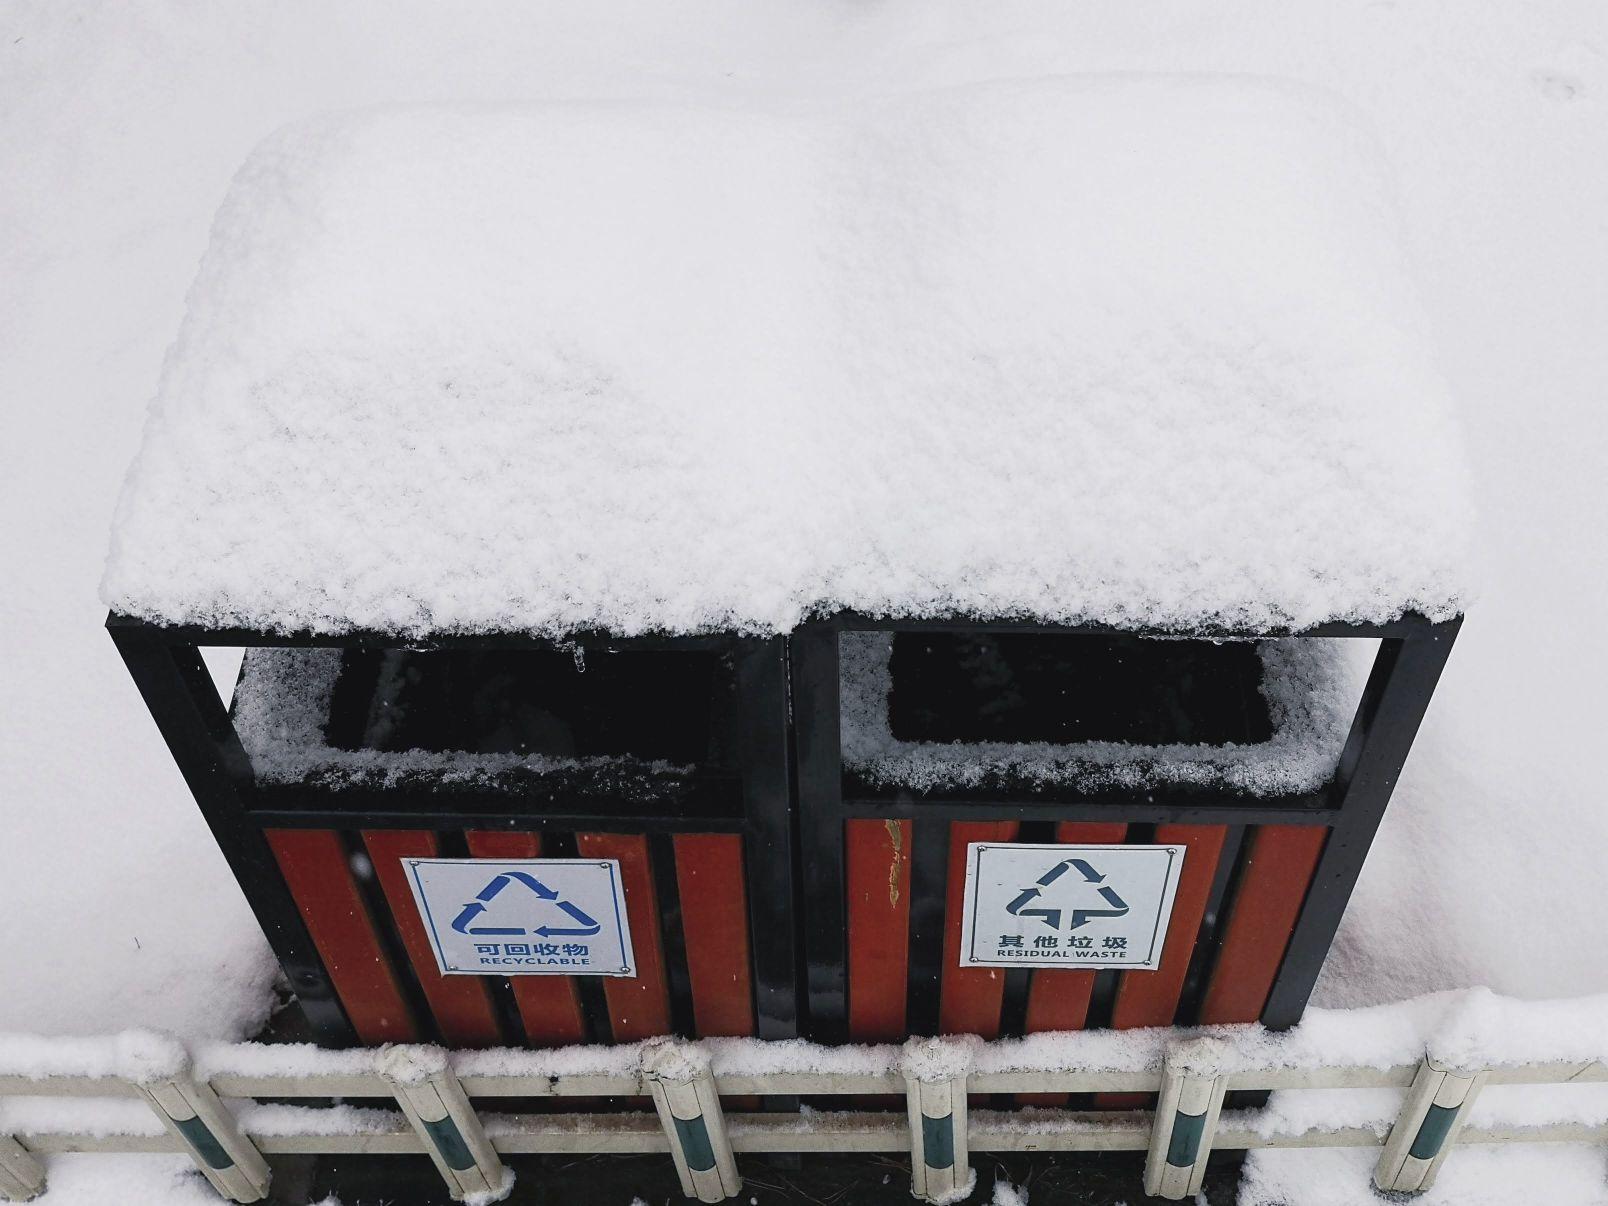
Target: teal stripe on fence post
x=938 y=1141
x=1432 y=1132
x=204 y=1141
x=695 y=1145
x=1184 y=1145
x=449 y=1142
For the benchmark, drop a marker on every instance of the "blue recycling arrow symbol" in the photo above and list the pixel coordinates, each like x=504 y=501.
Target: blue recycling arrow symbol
x=1052 y=917
x=583 y=927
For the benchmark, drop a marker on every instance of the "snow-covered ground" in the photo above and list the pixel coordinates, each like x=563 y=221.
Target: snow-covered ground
x=121 y=125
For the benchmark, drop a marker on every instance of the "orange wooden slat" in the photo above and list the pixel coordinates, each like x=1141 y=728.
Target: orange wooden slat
x=877 y=873
x=1059 y=1000
x=549 y=1007
x=714 y=921
x=1150 y=998
x=1056 y=999
x=314 y=864
x=639 y=1007
x=461 y=1005
x=1273 y=884
x=969 y=998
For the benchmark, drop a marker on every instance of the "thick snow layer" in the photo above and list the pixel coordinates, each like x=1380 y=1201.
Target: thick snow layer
x=280 y=1059
x=136 y=1055
x=1310 y=684
x=1123 y=349
x=1473 y=1029
x=97 y=1116
x=622 y=1060
x=748 y=1057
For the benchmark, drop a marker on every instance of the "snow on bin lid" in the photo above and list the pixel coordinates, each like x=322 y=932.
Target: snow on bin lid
x=1111 y=349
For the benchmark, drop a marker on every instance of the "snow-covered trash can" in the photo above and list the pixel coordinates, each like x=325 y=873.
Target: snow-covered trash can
x=657 y=765
x=992 y=487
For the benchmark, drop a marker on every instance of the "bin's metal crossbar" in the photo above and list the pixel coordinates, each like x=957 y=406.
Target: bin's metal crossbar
x=443 y=1102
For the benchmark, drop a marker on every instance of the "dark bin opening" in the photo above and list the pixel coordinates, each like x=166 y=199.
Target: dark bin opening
x=1069 y=688
x=645 y=704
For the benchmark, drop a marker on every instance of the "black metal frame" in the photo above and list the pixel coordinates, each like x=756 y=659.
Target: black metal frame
x=166 y=664
x=789 y=727
x=1412 y=652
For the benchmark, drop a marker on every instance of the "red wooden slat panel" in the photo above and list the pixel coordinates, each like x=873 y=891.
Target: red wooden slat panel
x=1059 y=1000
x=714 y=920
x=969 y=999
x=461 y=1005
x=639 y=1008
x=878 y=884
x=1273 y=884
x=315 y=867
x=549 y=1008
x=1150 y=998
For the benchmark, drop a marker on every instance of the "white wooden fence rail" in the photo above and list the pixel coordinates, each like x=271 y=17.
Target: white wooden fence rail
x=436 y=1115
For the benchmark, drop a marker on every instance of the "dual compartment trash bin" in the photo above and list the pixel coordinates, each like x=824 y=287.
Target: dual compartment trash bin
x=692 y=370
x=791 y=816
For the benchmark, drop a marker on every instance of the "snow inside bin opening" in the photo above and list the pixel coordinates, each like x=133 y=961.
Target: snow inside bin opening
x=1127 y=350
x=282 y=708
x=1310 y=686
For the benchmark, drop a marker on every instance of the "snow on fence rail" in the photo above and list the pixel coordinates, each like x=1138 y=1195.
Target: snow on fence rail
x=143 y=1093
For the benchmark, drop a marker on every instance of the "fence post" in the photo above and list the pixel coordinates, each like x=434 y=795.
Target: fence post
x=683 y=1087
x=1193 y=1082
x=436 y=1105
x=159 y=1070
x=1434 y=1111
x=935 y=1072
x=21 y=1176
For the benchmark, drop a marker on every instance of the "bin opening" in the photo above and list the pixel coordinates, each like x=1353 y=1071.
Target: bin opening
x=648 y=704
x=1092 y=713
x=635 y=725
x=1072 y=688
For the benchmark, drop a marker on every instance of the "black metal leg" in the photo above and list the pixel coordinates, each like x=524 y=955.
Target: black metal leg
x=814 y=650
x=929 y=892
x=672 y=932
x=1209 y=938
x=1393 y=705
x=768 y=836
x=182 y=700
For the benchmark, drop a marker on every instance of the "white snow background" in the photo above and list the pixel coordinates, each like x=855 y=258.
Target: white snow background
x=120 y=127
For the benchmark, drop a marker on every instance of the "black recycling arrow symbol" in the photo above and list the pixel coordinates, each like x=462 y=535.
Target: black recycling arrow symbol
x=1119 y=907
x=1052 y=917
x=1089 y=874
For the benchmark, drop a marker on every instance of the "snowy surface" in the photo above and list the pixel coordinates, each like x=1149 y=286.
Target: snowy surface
x=1557 y=1174
x=1311 y=687
x=1486 y=1029
x=121 y=127
x=1472 y=1029
x=1096 y=348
